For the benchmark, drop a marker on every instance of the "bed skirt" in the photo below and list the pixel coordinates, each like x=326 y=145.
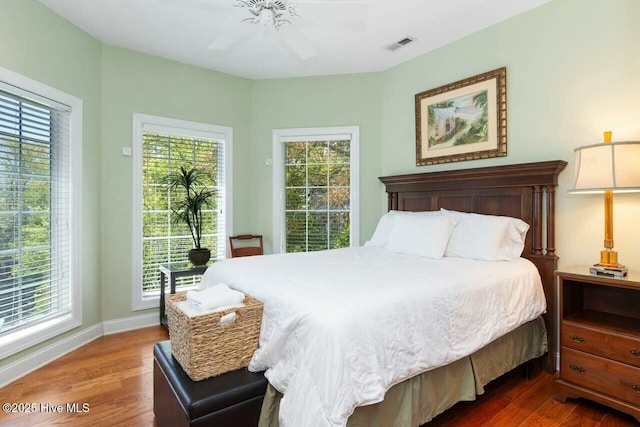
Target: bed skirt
x=419 y=399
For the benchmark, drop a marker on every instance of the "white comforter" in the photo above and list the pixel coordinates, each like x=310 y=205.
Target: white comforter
x=341 y=327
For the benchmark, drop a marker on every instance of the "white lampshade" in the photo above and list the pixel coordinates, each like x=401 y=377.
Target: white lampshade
x=610 y=166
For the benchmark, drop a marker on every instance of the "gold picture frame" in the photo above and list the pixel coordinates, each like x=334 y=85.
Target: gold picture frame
x=465 y=120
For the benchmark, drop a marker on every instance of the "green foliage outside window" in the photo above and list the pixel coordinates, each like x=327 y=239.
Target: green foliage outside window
x=317 y=193
x=26 y=262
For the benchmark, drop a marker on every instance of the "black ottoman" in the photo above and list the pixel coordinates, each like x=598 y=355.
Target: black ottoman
x=231 y=399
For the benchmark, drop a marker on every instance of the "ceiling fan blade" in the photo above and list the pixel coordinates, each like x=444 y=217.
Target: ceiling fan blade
x=296 y=41
x=230 y=37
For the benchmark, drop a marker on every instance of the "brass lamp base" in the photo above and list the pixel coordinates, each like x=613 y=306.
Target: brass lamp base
x=609 y=259
x=608 y=265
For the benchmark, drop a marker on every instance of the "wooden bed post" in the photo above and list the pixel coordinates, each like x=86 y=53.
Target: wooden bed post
x=537 y=218
x=392 y=203
x=551 y=221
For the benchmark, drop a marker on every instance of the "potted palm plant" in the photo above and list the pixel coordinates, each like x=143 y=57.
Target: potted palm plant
x=189 y=209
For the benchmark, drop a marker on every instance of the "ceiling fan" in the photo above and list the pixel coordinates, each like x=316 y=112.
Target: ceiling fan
x=268 y=12
x=281 y=18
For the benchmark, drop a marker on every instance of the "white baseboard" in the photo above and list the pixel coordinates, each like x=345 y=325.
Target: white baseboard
x=21 y=367
x=15 y=370
x=130 y=323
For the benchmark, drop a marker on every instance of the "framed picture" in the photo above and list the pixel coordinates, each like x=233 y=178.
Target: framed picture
x=465 y=120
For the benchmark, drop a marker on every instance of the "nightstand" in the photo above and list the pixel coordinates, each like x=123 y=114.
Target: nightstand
x=173 y=271
x=599 y=339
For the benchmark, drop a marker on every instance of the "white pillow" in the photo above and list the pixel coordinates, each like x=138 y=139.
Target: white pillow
x=380 y=237
x=422 y=235
x=486 y=237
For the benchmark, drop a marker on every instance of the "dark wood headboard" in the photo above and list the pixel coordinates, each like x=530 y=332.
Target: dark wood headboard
x=525 y=191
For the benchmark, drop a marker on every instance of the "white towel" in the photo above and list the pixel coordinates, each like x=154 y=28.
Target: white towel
x=191 y=311
x=214 y=296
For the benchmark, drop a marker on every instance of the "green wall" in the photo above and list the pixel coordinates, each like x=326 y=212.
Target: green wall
x=42 y=46
x=344 y=100
x=137 y=83
x=572 y=72
x=113 y=84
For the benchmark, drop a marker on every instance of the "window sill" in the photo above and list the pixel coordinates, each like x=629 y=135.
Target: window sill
x=16 y=341
x=145 y=302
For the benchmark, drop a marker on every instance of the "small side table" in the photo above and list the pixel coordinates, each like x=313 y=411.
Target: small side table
x=599 y=339
x=173 y=271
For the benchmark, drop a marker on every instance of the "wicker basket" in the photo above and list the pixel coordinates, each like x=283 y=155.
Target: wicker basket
x=204 y=347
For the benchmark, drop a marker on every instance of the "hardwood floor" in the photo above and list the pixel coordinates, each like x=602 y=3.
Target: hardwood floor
x=113 y=376
x=513 y=401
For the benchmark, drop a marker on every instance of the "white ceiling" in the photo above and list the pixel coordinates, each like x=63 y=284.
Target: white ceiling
x=348 y=36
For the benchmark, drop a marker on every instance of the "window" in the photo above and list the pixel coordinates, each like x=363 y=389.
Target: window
x=315 y=189
x=162 y=146
x=40 y=155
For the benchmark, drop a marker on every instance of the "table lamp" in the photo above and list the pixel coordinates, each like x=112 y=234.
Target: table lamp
x=611 y=167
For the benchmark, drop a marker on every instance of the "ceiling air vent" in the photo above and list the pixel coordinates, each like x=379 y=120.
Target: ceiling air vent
x=400 y=43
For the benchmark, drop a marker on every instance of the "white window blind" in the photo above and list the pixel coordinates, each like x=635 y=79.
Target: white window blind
x=161 y=146
x=164 y=151
x=35 y=201
x=317 y=185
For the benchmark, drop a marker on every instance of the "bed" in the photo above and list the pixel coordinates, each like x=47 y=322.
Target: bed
x=319 y=354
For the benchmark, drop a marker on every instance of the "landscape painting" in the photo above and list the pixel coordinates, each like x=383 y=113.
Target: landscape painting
x=458 y=121
x=465 y=120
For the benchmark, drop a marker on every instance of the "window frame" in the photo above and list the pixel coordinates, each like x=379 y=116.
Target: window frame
x=180 y=128
x=23 y=338
x=280 y=137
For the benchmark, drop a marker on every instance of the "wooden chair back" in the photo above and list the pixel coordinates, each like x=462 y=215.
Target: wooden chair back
x=243 y=249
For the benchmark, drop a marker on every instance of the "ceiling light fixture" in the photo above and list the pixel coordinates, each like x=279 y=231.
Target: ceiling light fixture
x=270 y=13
